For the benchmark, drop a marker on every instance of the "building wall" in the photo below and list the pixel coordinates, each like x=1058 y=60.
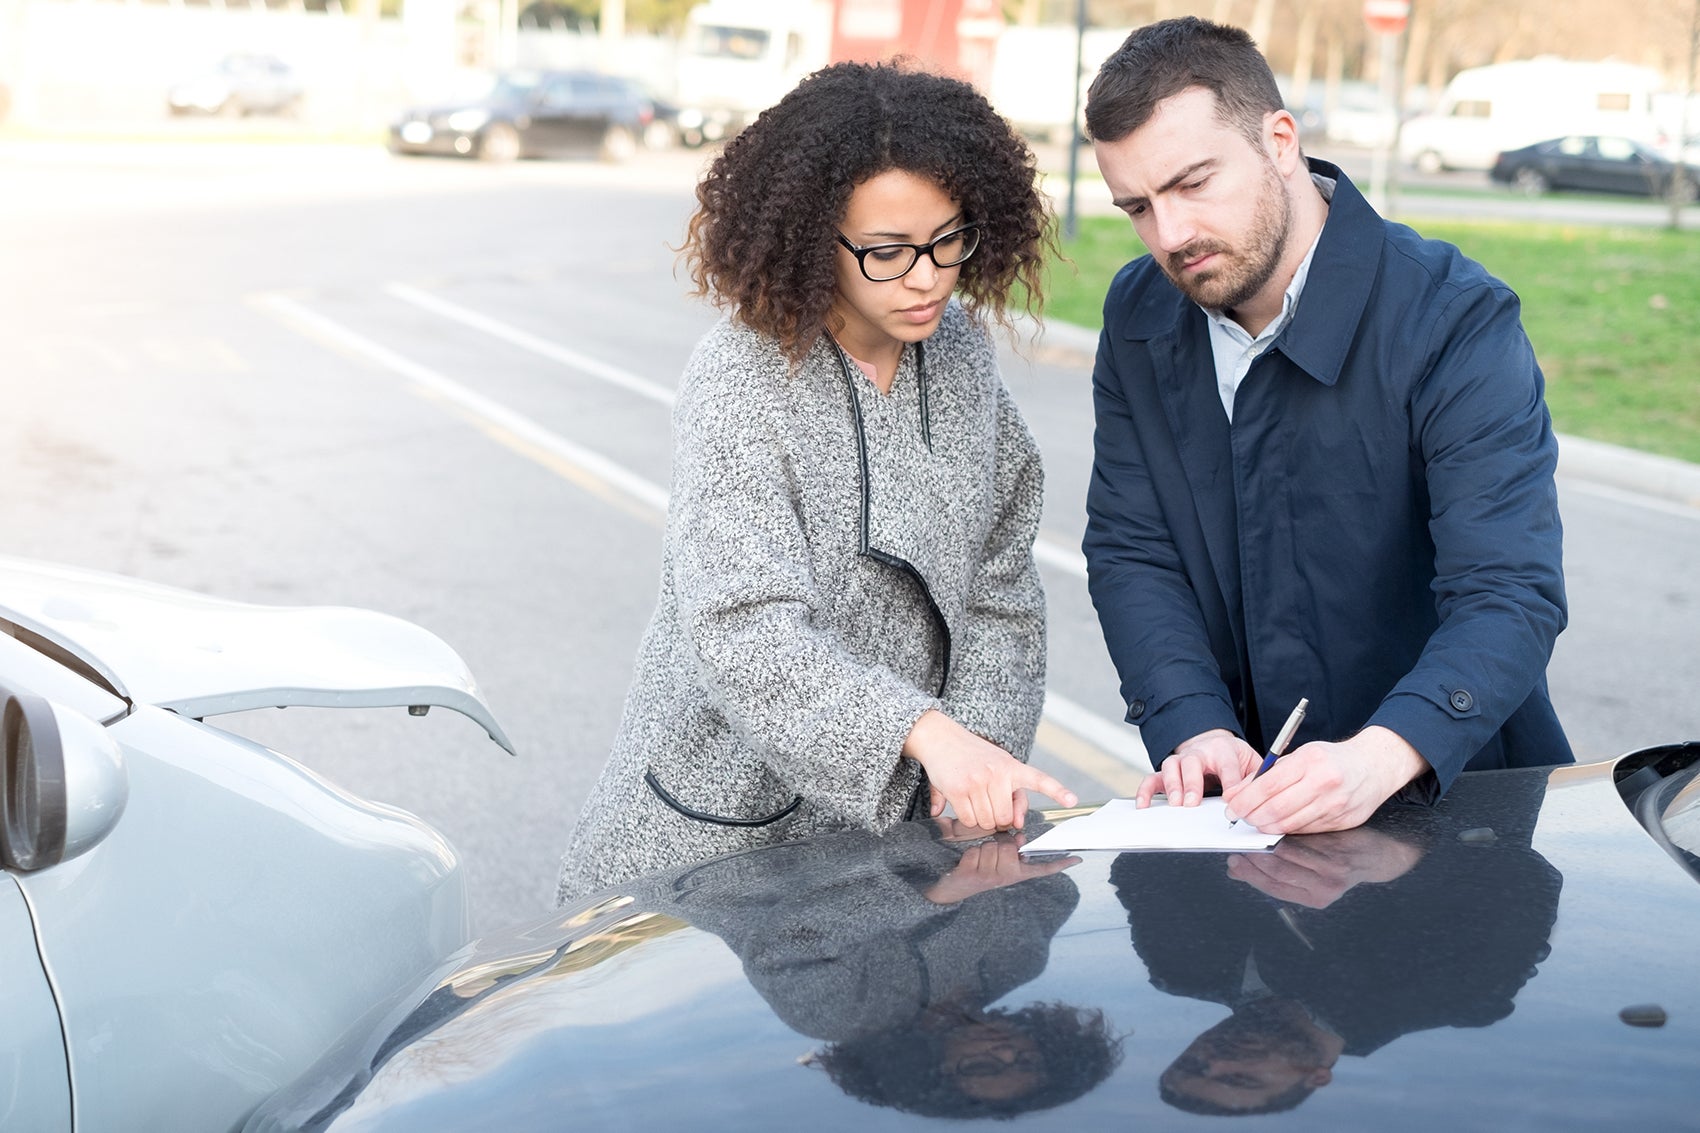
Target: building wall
x=108 y=63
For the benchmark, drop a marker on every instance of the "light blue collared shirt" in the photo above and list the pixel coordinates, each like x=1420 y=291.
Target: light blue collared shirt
x=1233 y=348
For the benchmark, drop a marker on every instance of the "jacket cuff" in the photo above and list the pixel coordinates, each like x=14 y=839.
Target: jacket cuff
x=1435 y=735
x=1010 y=723
x=1179 y=720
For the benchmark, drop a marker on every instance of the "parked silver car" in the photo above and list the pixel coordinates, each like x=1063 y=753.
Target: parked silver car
x=240 y=84
x=188 y=919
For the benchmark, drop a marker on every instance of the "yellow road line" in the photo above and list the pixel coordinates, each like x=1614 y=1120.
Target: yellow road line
x=1088 y=759
x=1066 y=729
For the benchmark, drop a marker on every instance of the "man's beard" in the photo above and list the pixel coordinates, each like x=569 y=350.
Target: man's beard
x=1248 y=269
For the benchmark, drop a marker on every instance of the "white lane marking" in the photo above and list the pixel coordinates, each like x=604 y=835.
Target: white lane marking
x=493 y=412
x=1054 y=554
x=1046 y=549
x=1118 y=740
x=525 y=340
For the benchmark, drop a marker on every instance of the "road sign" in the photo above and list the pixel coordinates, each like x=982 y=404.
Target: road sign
x=1387 y=16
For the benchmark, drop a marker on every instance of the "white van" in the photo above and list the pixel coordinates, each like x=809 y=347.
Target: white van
x=1485 y=110
x=739 y=57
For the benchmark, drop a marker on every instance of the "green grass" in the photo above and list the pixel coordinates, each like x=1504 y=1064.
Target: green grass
x=1614 y=315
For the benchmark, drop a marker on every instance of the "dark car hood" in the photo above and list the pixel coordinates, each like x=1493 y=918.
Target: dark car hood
x=1519 y=957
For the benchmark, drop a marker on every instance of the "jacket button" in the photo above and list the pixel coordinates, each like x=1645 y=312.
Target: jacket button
x=1462 y=701
x=1137 y=708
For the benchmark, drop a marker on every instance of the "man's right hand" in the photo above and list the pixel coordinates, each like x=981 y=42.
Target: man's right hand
x=1214 y=755
x=1316 y=870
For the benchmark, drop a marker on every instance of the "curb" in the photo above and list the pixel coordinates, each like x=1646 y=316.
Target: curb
x=1627 y=469
x=1661 y=477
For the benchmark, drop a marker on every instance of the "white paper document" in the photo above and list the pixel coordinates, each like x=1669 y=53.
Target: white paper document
x=1120 y=825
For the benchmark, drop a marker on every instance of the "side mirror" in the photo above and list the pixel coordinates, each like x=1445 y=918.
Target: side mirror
x=62 y=783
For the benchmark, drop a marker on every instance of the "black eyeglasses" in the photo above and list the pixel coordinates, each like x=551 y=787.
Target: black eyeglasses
x=883 y=262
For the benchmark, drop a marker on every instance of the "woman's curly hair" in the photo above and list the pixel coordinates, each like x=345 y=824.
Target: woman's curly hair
x=761 y=241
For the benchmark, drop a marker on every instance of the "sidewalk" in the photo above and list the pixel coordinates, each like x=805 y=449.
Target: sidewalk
x=1658 y=477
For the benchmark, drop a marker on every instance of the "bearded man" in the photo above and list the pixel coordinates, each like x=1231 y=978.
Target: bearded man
x=1323 y=465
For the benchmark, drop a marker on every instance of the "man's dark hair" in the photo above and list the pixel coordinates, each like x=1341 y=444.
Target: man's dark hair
x=1288 y=1098
x=1163 y=59
x=1265 y=1025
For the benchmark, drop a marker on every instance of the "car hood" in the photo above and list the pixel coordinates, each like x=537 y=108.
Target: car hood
x=201 y=656
x=1519 y=956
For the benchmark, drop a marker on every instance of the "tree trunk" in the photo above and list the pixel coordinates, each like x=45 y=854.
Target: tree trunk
x=1262 y=23
x=1304 y=54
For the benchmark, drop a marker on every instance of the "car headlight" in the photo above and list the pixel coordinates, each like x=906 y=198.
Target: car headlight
x=467 y=121
x=690 y=117
x=62 y=783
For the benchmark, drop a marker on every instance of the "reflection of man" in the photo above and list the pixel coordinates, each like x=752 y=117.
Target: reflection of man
x=1340 y=943
x=1323 y=463
x=897 y=960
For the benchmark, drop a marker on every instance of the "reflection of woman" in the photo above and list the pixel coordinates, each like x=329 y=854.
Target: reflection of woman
x=896 y=962
x=850 y=625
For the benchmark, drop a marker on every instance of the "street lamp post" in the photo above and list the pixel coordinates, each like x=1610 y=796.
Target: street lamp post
x=1682 y=172
x=1071 y=222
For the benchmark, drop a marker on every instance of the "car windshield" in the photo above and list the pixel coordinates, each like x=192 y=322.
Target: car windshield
x=730 y=43
x=514 y=86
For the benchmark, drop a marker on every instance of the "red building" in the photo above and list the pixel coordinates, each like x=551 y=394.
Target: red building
x=957 y=37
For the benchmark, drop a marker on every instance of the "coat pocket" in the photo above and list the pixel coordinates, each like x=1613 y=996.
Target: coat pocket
x=671 y=800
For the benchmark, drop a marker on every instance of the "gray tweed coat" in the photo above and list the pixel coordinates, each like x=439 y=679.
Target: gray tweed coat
x=836 y=561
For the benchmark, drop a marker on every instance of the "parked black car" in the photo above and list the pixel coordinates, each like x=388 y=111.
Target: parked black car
x=1598 y=163
x=1520 y=956
x=533 y=114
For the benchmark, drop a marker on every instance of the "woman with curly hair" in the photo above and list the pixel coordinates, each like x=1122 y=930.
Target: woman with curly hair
x=850 y=629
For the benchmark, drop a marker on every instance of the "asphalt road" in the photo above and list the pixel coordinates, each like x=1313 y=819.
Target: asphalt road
x=440 y=389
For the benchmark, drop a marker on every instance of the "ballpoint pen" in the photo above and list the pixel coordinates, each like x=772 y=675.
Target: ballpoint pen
x=1282 y=739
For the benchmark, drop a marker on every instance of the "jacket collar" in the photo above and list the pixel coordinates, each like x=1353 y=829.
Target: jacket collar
x=1342 y=279
x=1342 y=276
x=895 y=513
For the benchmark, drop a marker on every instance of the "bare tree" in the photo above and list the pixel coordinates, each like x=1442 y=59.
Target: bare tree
x=1326 y=40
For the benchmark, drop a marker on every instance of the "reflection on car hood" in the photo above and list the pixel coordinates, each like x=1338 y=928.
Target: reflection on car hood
x=1520 y=956
x=202 y=656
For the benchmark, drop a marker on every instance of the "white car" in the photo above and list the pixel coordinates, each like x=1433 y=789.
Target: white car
x=239 y=85
x=189 y=919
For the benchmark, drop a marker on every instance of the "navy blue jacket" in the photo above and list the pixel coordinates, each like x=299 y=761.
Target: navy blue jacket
x=1377 y=530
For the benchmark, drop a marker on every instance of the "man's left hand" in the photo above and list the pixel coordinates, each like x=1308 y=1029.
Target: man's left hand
x=1327 y=786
